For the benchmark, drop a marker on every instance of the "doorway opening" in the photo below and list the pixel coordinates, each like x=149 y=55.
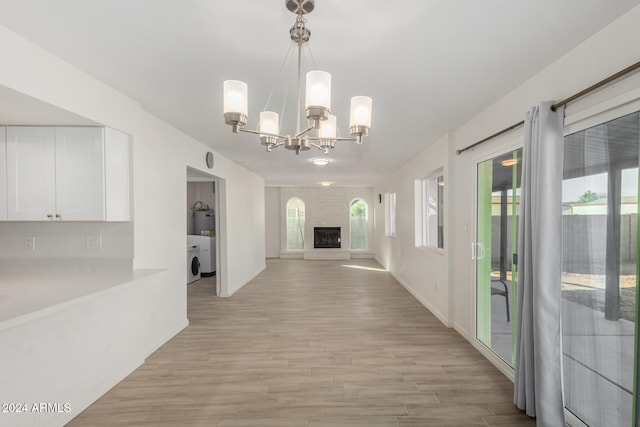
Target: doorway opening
x=206 y=231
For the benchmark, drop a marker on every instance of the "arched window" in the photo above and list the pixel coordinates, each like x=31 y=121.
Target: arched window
x=358 y=214
x=295 y=224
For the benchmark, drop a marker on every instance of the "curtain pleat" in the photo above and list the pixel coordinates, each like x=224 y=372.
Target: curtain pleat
x=538 y=367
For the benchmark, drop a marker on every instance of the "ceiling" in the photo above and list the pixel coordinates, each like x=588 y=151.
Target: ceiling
x=429 y=65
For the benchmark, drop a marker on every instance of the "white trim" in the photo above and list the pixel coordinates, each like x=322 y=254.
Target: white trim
x=422 y=301
x=615 y=100
x=172 y=333
x=571 y=420
x=614 y=108
x=492 y=357
x=462 y=331
x=241 y=285
x=380 y=262
x=87 y=400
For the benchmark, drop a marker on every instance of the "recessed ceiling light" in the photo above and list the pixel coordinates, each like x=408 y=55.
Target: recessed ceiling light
x=326 y=183
x=322 y=161
x=509 y=162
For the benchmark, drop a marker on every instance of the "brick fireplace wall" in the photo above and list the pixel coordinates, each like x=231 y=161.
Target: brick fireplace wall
x=327 y=207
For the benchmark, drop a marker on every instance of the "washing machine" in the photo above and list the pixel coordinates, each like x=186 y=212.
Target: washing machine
x=207 y=246
x=193 y=262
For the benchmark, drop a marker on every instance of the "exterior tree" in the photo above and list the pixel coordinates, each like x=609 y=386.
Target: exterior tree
x=590 y=196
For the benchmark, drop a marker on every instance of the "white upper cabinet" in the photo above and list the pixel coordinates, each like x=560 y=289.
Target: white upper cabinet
x=31 y=174
x=80 y=173
x=3 y=174
x=65 y=174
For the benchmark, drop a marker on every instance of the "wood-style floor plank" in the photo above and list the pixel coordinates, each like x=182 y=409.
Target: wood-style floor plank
x=311 y=343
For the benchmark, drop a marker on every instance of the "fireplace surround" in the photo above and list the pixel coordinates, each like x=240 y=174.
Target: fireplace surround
x=326 y=237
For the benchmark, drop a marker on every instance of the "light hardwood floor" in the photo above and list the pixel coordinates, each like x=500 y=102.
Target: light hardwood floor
x=311 y=343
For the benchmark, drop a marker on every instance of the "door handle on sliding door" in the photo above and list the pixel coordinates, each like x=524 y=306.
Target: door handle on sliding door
x=482 y=251
x=478 y=251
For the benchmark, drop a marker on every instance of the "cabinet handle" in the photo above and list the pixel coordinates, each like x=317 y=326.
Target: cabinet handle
x=58 y=216
x=49 y=216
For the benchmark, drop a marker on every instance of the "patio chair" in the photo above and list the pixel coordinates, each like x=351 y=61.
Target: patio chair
x=504 y=293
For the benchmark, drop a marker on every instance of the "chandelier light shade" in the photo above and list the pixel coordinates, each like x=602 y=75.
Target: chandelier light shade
x=321 y=129
x=328 y=128
x=318 y=89
x=360 y=116
x=236 y=103
x=269 y=127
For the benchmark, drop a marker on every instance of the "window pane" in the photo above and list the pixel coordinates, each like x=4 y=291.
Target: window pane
x=295 y=224
x=431 y=214
x=358 y=214
x=390 y=217
x=441 y=211
x=600 y=218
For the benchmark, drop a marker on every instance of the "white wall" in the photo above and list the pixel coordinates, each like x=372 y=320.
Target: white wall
x=424 y=272
x=598 y=57
x=161 y=155
x=272 y=221
x=66 y=241
x=325 y=207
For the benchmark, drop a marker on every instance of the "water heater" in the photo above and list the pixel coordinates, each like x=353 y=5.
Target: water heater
x=204 y=221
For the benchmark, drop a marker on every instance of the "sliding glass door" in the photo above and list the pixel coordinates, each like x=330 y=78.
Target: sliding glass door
x=599 y=282
x=498 y=195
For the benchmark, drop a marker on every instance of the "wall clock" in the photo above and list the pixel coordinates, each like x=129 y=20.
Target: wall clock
x=209 y=159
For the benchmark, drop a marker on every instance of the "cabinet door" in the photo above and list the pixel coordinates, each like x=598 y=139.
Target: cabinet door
x=79 y=173
x=30 y=173
x=3 y=174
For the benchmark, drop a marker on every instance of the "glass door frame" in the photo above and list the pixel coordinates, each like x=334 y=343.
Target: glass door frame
x=492 y=149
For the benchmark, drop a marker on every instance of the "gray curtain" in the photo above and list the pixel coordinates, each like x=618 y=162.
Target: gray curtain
x=538 y=374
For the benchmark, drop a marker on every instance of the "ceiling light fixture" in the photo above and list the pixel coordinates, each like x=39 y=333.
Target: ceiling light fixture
x=509 y=162
x=326 y=183
x=321 y=129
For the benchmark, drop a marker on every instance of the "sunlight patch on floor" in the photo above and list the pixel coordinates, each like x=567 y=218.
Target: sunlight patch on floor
x=362 y=267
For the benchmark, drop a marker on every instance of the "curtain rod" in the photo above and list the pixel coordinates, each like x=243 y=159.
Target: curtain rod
x=555 y=106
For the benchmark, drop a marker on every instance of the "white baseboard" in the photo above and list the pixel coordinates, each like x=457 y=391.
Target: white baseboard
x=88 y=400
x=428 y=306
x=79 y=406
x=241 y=285
x=495 y=360
x=362 y=255
x=172 y=333
x=462 y=331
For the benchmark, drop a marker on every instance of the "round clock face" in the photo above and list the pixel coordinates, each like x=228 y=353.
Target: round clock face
x=209 y=159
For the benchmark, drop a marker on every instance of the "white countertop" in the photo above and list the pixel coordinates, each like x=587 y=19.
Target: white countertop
x=25 y=296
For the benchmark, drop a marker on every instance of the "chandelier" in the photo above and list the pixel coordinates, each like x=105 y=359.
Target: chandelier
x=321 y=130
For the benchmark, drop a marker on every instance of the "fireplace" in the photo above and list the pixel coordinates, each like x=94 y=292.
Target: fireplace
x=326 y=237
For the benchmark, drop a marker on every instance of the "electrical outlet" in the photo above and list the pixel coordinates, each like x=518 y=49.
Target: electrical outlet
x=30 y=244
x=94 y=242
